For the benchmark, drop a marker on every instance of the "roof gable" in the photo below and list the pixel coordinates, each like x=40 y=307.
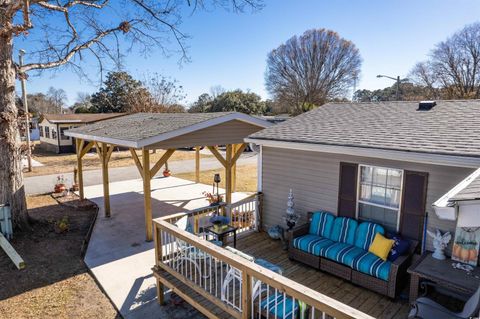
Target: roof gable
x=144 y=129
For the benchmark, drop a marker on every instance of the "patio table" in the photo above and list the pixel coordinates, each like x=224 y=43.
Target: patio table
x=221 y=233
x=442 y=274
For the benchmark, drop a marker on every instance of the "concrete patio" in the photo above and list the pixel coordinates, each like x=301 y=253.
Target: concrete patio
x=118 y=255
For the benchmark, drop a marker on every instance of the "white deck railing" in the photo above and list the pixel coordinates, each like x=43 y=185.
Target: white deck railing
x=232 y=280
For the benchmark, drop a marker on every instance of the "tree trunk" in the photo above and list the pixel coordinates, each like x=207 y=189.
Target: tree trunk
x=11 y=176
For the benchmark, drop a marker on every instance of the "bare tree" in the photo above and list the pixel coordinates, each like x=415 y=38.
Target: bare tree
x=58 y=97
x=90 y=27
x=311 y=69
x=165 y=91
x=454 y=65
x=216 y=90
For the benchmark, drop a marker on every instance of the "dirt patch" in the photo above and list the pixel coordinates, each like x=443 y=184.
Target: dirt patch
x=55 y=282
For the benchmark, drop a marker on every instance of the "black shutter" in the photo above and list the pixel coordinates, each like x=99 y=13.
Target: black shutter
x=414 y=199
x=347 y=192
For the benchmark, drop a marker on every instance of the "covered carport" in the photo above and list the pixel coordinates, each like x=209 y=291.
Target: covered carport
x=168 y=131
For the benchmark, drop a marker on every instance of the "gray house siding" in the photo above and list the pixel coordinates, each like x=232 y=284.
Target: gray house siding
x=314 y=178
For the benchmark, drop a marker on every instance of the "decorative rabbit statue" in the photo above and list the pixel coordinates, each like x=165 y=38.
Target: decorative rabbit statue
x=440 y=242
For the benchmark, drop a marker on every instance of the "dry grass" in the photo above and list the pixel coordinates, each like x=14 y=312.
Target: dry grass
x=55 y=282
x=64 y=163
x=246 y=177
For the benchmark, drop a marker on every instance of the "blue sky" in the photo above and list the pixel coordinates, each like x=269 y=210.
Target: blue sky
x=230 y=49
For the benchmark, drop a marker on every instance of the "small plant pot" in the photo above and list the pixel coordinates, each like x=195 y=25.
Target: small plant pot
x=75 y=187
x=60 y=188
x=166 y=173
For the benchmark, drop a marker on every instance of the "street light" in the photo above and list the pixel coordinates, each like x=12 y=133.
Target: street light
x=395 y=79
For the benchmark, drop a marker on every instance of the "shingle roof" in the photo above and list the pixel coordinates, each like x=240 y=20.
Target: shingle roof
x=144 y=125
x=80 y=118
x=450 y=128
x=470 y=192
x=142 y=129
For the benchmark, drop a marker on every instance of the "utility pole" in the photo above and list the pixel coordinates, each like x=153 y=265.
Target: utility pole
x=27 y=116
x=398 y=88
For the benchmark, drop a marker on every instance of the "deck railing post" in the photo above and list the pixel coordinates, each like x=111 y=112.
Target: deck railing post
x=158 y=260
x=246 y=294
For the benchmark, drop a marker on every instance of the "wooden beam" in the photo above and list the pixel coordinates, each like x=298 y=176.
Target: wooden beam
x=79 y=146
x=228 y=174
x=197 y=164
x=137 y=161
x=218 y=155
x=11 y=252
x=86 y=149
x=106 y=191
x=246 y=295
x=109 y=152
x=234 y=169
x=147 y=194
x=238 y=152
x=161 y=162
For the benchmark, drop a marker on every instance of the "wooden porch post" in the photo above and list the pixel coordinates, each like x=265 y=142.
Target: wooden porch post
x=197 y=164
x=234 y=169
x=147 y=193
x=228 y=174
x=105 y=151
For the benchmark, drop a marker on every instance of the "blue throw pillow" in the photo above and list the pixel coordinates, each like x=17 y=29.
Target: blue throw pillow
x=399 y=248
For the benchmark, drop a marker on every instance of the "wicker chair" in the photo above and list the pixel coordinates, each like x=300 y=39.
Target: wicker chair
x=391 y=287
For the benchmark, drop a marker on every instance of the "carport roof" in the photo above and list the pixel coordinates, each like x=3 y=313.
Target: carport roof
x=144 y=129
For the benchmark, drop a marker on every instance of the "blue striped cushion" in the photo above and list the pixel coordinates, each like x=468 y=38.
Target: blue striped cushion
x=344 y=230
x=366 y=232
x=372 y=265
x=312 y=244
x=279 y=305
x=343 y=253
x=321 y=224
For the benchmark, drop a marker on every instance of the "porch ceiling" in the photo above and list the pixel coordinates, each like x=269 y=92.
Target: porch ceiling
x=171 y=130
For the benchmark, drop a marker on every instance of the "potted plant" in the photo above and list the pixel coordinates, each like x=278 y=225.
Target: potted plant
x=219 y=222
x=213 y=199
x=166 y=171
x=60 y=186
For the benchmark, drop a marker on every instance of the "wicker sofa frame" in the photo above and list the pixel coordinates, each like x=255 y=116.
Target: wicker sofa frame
x=391 y=287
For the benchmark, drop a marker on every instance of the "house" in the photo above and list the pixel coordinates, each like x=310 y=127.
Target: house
x=52 y=127
x=386 y=162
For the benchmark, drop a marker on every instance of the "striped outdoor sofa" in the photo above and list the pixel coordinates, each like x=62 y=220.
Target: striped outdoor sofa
x=339 y=245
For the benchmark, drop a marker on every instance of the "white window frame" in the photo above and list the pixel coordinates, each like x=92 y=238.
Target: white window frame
x=359 y=201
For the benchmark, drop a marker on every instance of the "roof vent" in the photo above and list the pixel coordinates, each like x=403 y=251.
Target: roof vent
x=426 y=105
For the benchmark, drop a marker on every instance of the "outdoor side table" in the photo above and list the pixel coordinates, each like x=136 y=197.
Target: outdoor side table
x=220 y=234
x=441 y=273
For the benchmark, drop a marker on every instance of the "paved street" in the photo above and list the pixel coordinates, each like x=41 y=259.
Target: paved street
x=45 y=184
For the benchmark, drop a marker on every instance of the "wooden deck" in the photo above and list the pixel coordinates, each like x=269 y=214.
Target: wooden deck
x=260 y=245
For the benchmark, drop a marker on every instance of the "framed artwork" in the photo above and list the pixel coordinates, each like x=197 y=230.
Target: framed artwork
x=466 y=245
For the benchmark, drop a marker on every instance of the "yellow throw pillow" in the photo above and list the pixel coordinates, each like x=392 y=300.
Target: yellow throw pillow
x=381 y=246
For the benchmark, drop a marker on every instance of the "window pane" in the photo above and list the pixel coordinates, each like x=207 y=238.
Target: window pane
x=378 y=195
x=394 y=179
x=380 y=176
x=383 y=216
x=392 y=198
x=366 y=174
x=365 y=192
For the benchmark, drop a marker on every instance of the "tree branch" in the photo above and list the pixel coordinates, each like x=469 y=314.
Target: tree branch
x=124 y=27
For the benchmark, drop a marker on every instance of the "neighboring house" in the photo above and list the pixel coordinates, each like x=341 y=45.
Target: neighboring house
x=387 y=161
x=53 y=126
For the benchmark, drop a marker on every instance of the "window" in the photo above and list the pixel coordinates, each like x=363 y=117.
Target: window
x=40 y=131
x=379 y=197
x=54 y=133
x=62 y=133
x=47 y=132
